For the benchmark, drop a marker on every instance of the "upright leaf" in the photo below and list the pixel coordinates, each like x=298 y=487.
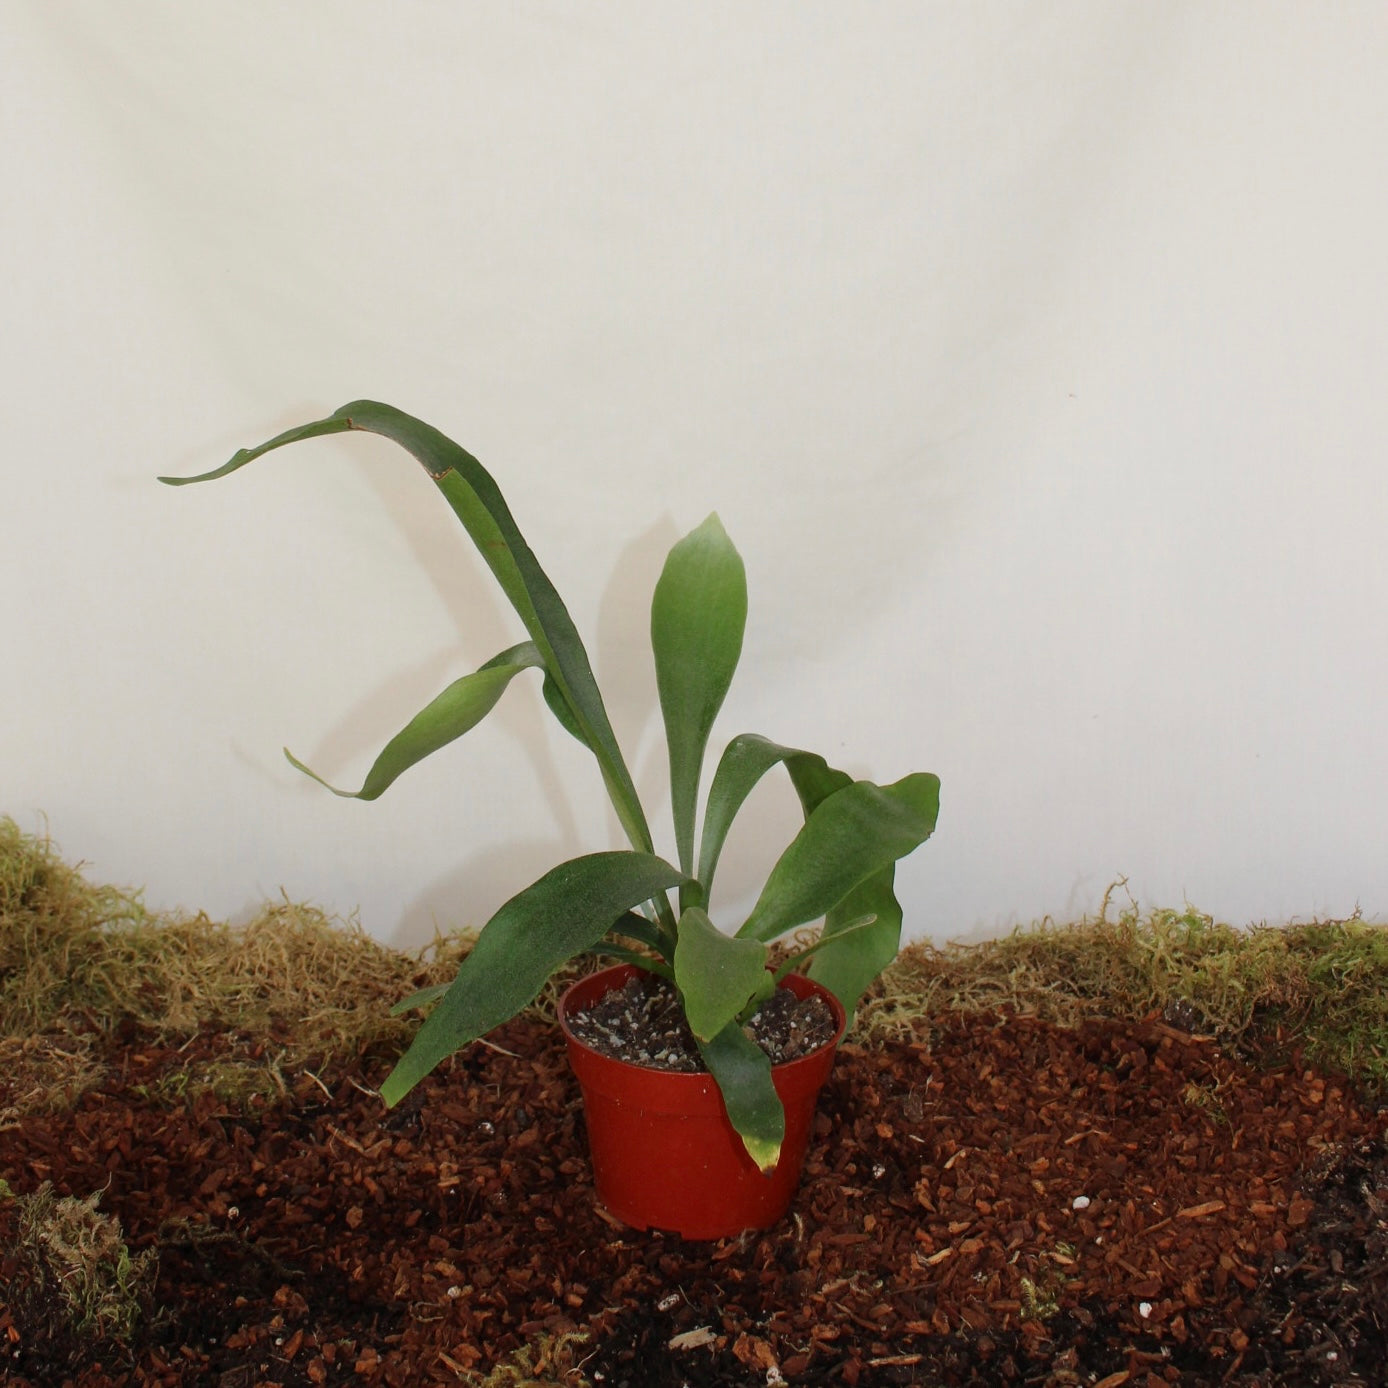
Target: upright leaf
x=716 y=973
x=698 y=615
x=464 y=704
x=566 y=912
x=850 y=836
x=477 y=501
x=743 y=1073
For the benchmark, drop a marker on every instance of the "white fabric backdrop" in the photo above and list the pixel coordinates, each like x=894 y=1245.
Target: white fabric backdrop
x=1034 y=356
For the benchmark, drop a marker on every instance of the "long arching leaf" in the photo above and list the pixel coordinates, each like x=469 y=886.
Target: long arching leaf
x=464 y=704
x=566 y=912
x=477 y=501
x=698 y=614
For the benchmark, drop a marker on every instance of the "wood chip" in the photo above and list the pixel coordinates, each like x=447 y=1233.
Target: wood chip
x=693 y=1339
x=430 y=1241
x=1199 y=1211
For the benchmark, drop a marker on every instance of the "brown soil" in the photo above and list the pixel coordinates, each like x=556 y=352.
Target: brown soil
x=1008 y=1203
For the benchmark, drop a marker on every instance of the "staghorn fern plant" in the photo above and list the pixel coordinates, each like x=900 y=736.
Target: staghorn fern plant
x=839 y=866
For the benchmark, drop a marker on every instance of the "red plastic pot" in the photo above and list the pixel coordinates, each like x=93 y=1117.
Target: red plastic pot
x=664 y=1154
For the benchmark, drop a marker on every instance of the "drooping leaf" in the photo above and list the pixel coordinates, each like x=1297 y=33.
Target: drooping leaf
x=850 y=836
x=566 y=912
x=464 y=704
x=745 y=760
x=333 y=424
x=477 y=501
x=716 y=973
x=698 y=614
x=743 y=1073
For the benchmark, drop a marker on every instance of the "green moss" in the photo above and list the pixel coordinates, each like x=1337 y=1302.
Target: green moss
x=77 y=1282
x=1344 y=1013
x=546 y=1362
x=77 y=957
x=1322 y=986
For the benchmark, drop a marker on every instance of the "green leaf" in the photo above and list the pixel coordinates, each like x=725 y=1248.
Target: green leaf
x=745 y=760
x=743 y=1073
x=766 y=986
x=566 y=912
x=463 y=705
x=477 y=501
x=793 y=961
x=636 y=927
x=334 y=424
x=815 y=781
x=716 y=974
x=559 y=707
x=848 y=966
x=622 y=954
x=850 y=836
x=698 y=615
x=420 y=999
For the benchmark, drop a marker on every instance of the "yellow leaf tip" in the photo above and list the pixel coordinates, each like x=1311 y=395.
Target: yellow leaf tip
x=766 y=1154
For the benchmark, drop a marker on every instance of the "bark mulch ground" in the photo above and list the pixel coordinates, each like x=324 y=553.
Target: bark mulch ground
x=1011 y=1203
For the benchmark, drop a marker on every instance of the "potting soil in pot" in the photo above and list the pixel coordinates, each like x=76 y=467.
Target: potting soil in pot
x=643 y=1024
